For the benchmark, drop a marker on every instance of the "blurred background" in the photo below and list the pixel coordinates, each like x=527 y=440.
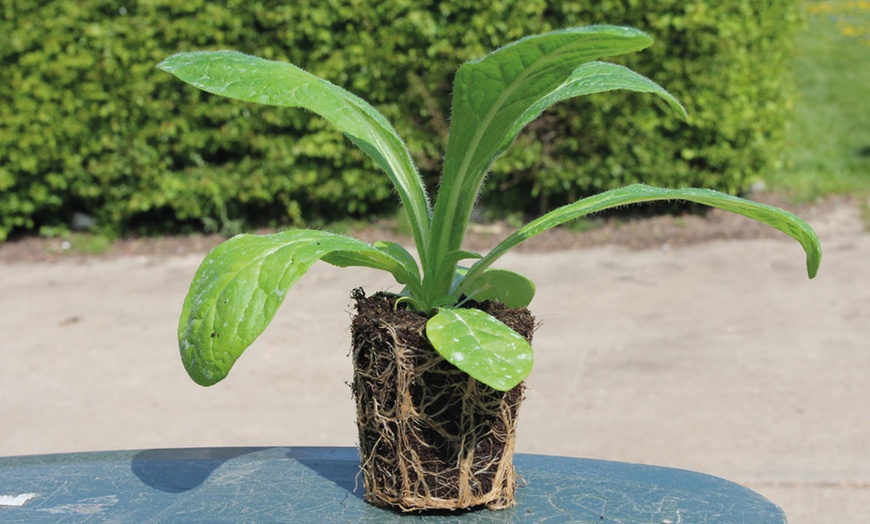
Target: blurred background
x=93 y=137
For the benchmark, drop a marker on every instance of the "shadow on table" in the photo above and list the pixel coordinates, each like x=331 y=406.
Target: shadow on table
x=338 y=465
x=179 y=470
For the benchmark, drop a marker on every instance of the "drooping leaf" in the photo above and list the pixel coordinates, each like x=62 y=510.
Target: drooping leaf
x=387 y=256
x=780 y=219
x=401 y=254
x=252 y=79
x=490 y=95
x=239 y=287
x=591 y=78
x=481 y=346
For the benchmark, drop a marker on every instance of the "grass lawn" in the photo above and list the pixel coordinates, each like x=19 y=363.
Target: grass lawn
x=829 y=137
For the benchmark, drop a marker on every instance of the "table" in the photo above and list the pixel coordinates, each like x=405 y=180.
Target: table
x=317 y=484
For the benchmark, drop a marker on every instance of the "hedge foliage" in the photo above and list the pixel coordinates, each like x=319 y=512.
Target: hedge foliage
x=87 y=124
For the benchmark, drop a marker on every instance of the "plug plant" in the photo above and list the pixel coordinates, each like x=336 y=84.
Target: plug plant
x=242 y=282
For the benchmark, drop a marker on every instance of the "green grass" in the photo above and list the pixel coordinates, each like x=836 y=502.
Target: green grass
x=85 y=243
x=829 y=137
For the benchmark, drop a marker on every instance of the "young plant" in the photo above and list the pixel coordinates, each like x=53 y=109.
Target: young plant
x=242 y=282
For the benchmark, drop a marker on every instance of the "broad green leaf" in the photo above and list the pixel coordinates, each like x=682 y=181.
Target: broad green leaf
x=481 y=346
x=251 y=79
x=495 y=96
x=500 y=285
x=239 y=287
x=780 y=219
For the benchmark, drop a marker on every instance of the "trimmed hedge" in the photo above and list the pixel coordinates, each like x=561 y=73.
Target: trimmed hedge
x=87 y=124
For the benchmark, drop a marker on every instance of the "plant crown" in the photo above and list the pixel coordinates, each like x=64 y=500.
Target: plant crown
x=241 y=283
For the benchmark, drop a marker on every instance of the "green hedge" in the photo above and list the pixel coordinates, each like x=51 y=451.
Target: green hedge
x=87 y=124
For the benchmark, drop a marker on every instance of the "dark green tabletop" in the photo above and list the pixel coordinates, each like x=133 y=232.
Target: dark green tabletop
x=320 y=485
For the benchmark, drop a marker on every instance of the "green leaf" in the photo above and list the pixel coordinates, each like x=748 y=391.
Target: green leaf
x=500 y=285
x=492 y=94
x=481 y=346
x=591 y=78
x=251 y=79
x=386 y=256
x=493 y=98
x=439 y=295
x=239 y=287
x=401 y=254
x=780 y=219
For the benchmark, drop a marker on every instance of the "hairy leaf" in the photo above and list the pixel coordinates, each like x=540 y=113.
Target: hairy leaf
x=590 y=78
x=780 y=219
x=387 y=256
x=437 y=295
x=252 y=79
x=492 y=94
x=493 y=98
x=240 y=285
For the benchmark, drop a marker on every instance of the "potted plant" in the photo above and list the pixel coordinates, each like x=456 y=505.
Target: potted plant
x=438 y=367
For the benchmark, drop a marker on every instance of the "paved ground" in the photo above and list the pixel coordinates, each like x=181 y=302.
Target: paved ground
x=719 y=357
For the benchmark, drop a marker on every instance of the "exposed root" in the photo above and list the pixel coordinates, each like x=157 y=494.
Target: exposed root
x=430 y=436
